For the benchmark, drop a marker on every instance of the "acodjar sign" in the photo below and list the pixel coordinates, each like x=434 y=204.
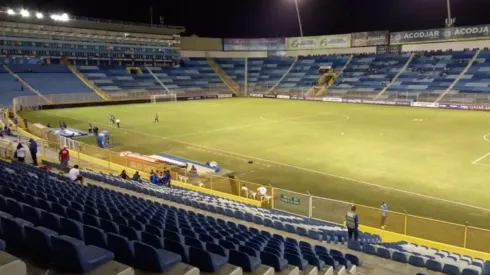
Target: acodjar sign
x=441 y=35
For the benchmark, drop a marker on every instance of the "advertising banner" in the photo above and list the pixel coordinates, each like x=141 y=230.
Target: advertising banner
x=441 y=35
x=258 y=44
x=319 y=42
x=332 y=99
x=225 y=96
x=389 y=49
x=366 y=39
x=256 y=95
x=425 y=104
x=270 y=96
x=465 y=107
x=378 y=102
x=283 y=96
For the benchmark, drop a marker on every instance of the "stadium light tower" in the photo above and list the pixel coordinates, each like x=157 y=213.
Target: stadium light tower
x=299 y=18
x=449 y=20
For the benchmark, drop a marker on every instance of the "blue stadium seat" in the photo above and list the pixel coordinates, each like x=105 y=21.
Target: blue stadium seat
x=38 y=240
x=243 y=260
x=123 y=249
x=273 y=261
x=217 y=249
x=177 y=248
x=434 y=265
x=205 y=261
x=416 y=261
x=451 y=269
x=71 y=255
x=399 y=257
x=94 y=236
x=154 y=260
x=72 y=228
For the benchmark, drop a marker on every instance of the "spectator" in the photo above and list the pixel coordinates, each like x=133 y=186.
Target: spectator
x=33 y=150
x=262 y=191
x=64 y=157
x=167 y=178
x=160 y=179
x=96 y=131
x=25 y=122
x=244 y=191
x=137 y=177
x=124 y=175
x=74 y=174
x=352 y=221
x=153 y=177
x=384 y=214
x=20 y=153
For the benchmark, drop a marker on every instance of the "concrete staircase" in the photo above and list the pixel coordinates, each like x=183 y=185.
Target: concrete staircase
x=459 y=76
x=27 y=85
x=395 y=78
x=87 y=82
x=223 y=76
x=325 y=87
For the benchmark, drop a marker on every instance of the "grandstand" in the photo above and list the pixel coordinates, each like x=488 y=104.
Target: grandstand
x=115 y=226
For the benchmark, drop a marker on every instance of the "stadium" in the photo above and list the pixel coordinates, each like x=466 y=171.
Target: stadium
x=130 y=148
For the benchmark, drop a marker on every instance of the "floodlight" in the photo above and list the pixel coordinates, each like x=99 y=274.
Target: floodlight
x=25 y=13
x=60 y=17
x=10 y=12
x=39 y=15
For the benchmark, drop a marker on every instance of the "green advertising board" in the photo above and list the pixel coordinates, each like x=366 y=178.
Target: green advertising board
x=291 y=200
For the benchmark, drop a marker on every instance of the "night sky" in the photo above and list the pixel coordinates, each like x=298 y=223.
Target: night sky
x=274 y=18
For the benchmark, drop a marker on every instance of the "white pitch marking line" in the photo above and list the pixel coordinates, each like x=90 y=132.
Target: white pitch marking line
x=296 y=167
x=486 y=155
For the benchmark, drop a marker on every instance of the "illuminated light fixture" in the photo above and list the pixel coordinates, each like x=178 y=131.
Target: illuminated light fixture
x=10 y=12
x=60 y=17
x=24 y=13
x=39 y=15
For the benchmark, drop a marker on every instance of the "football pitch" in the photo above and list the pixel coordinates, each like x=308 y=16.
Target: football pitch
x=430 y=162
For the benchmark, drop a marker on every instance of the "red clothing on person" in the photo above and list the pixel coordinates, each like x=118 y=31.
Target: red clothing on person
x=64 y=154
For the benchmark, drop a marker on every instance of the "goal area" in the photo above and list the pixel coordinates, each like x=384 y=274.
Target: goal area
x=164 y=98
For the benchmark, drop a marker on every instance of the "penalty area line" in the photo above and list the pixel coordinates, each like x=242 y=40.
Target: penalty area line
x=294 y=167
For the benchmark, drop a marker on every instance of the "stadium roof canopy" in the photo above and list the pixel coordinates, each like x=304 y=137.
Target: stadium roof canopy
x=97 y=24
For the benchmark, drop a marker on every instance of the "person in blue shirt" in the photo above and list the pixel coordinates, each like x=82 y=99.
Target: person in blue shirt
x=352 y=222
x=153 y=177
x=33 y=150
x=384 y=214
x=166 y=178
x=136 y=176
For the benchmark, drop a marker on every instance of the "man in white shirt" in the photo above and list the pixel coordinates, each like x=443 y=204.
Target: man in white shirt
x=117 y=122
x=262 y=192
x=244 y=191
x=74 y=174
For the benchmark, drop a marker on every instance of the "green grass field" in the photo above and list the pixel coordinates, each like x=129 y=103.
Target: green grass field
x=417 y=159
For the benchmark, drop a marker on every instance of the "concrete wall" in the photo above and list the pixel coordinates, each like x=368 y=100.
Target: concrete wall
x=201 y=44
x=332 y=51
x=221 y=54
x=460 y=45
